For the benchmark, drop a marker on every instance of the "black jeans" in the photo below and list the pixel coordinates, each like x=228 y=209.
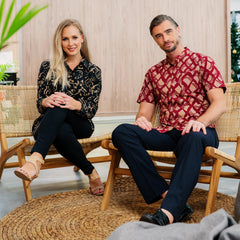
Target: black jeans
x=62 y=128
x=132 y=142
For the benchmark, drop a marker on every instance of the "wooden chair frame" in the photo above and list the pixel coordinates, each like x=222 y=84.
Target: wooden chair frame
x=17 y=113
x=228 y=129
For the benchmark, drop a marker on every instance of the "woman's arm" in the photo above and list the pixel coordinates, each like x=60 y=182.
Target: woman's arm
x=45 y=88
x=89 y=103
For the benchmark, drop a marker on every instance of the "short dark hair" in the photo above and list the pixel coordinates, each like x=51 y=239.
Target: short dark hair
x=159 y=19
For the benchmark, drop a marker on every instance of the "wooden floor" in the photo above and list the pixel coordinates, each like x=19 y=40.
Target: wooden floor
x=64 y=179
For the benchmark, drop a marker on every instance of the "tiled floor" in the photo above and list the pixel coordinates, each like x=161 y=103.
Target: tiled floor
x=64 y=179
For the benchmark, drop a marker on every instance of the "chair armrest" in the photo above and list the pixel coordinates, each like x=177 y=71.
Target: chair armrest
x=216 y=153
x=23 y=143
x=107 y=144
x=96 y=138
x=9 y=152
x=230 y=160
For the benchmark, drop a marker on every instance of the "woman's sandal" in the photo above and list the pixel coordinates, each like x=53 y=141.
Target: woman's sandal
x=96 y=187
x=25 y=174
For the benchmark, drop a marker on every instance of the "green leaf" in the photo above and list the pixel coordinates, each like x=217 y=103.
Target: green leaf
x=16 y=23
x=22 y=17
x=7 y=19
x=20 y=14
x=1 y=10
x=3 y=68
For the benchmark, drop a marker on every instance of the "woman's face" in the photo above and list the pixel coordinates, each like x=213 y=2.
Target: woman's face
x=71 y=41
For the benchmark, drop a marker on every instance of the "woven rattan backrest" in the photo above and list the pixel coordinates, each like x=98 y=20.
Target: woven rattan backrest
x=17 y=110
x=228 y=126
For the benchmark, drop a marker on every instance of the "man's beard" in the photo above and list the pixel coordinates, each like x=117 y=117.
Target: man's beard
x=173 y=48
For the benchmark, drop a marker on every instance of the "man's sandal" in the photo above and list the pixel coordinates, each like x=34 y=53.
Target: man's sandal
x=25 y=174
x=96 y=187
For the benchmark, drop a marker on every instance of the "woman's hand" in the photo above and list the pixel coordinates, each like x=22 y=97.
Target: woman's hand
x=62 y=100
x=50 y=102
x=67 y=102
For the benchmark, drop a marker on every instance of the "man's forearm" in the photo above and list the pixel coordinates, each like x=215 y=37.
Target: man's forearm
x=213 y=113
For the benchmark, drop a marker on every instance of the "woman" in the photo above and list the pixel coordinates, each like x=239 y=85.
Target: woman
x=68 y=93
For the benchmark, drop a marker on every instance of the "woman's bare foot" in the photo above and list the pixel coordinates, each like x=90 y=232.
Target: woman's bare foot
x=96 y=186
x=31 y=168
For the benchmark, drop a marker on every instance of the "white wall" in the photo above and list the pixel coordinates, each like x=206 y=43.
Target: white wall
x=235 y=11
x=235 y=5
x=120 y=43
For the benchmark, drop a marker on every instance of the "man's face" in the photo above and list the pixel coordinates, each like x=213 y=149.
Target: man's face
x=167 y=36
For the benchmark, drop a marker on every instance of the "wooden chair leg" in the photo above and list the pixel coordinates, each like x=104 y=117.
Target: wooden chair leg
x=213 y=186
x=111 y=177
x=26 y=184
x=2 y=163
x=4 y=147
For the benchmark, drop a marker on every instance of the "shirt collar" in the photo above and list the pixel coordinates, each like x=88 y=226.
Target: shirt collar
x=185 y=52
x=84 y=62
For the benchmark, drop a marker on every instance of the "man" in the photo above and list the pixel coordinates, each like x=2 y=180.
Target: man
x=189 y=91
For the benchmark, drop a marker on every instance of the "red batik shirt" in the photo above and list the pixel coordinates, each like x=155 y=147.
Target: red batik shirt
x=180 y=89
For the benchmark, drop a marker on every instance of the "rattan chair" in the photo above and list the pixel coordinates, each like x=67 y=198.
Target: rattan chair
x=17 y=112
x=227 y=127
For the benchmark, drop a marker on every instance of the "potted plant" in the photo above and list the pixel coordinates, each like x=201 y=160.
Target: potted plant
x=24 y=15
x=3 y=74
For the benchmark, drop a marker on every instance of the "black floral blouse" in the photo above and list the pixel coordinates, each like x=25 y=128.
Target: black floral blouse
x=84 y=85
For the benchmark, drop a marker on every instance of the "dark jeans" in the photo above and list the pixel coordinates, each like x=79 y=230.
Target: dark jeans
x=132 y=142
x=62 y=128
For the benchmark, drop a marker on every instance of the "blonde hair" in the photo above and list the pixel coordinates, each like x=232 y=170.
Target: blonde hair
x=57 y=71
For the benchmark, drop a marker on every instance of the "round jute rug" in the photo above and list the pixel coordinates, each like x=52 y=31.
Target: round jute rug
x=76 y=215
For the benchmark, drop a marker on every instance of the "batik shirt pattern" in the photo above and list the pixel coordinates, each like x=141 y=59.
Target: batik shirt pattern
x=180 y=90
x=84 y=85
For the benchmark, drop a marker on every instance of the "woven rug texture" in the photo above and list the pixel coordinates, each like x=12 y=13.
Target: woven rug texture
x=76 y=215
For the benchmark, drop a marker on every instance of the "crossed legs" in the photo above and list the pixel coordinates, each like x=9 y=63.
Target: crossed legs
x=62 y=128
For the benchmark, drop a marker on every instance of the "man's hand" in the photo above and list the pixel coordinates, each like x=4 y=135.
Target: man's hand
x=196 y=126
x=143 y=123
